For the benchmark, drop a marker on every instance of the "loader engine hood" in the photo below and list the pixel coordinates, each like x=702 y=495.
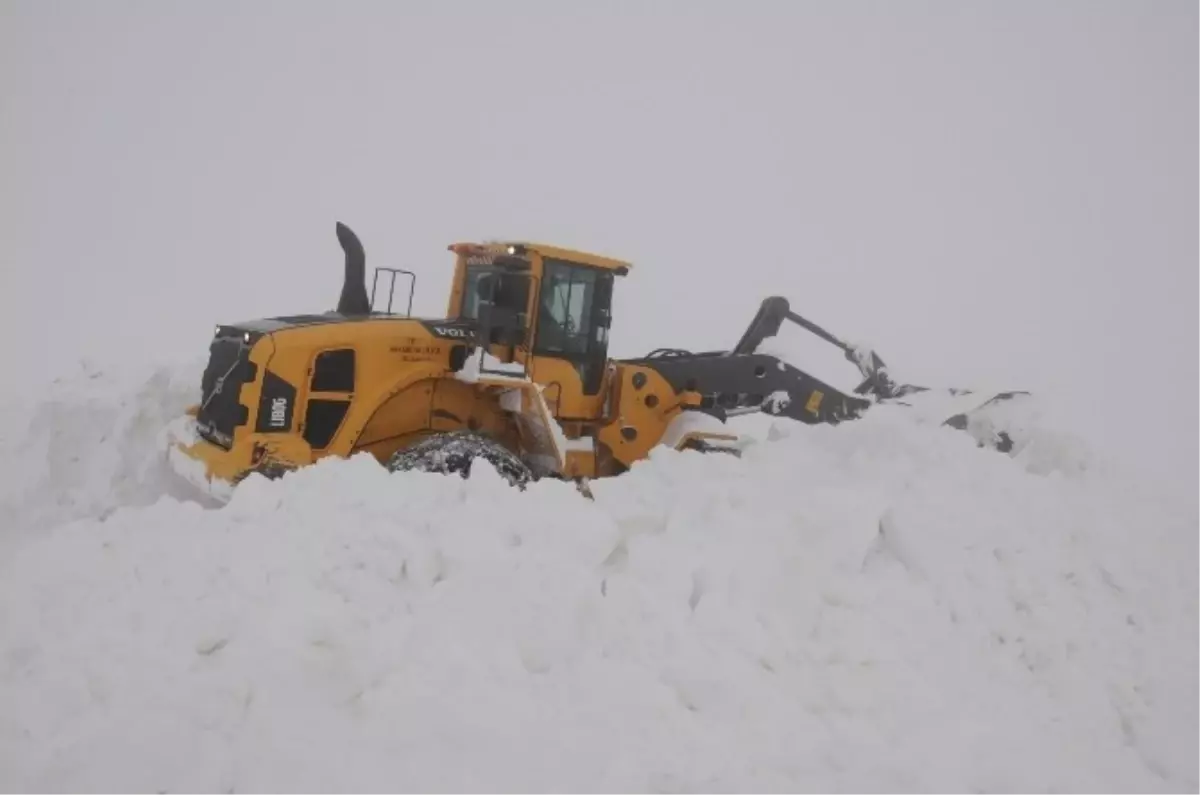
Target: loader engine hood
x=229 y=367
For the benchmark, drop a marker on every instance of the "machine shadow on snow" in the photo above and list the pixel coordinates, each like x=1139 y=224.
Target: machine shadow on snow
x=517 y=373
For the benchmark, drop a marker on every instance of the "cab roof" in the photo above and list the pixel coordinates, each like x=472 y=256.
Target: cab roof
x=546 y=250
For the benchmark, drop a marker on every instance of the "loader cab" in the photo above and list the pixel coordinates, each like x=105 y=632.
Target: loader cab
x=545 y=307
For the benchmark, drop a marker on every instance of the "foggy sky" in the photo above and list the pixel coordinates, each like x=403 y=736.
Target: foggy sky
x=997 y=194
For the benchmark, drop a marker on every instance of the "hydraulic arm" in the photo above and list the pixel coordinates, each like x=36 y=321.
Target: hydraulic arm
x=743 y=380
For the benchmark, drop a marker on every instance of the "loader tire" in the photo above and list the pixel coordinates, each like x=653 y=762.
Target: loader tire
x=454 y=451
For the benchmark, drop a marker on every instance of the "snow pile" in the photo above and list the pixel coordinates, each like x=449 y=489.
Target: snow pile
x=880 y=605
x=89 y=443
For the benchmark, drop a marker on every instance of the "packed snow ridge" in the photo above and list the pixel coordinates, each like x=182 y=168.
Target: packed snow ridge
x=877 y=606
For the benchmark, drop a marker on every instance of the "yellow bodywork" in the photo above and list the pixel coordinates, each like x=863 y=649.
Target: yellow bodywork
x=412 y=377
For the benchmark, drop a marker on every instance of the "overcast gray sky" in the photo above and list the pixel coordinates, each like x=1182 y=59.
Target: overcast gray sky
x=992 y=193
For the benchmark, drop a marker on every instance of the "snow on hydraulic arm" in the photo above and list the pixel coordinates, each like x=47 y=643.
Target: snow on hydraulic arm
x=745 y=380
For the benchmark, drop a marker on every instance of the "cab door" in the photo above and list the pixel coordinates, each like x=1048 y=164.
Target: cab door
x=570 y=347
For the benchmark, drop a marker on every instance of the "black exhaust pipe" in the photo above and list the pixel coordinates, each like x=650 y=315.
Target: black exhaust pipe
x=354 y=299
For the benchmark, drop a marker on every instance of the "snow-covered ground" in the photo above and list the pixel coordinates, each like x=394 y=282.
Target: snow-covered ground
x=999 y=197
x=880 y=606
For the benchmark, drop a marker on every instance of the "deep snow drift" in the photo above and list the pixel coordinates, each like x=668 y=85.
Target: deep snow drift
x=879 y=606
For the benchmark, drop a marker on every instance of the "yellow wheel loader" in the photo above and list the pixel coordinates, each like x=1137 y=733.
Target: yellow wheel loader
x=517 y=373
